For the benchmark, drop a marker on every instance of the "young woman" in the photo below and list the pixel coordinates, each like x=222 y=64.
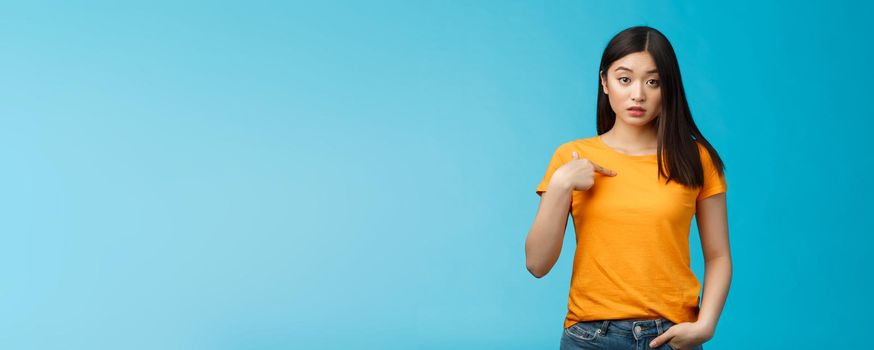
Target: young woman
x=632 y=192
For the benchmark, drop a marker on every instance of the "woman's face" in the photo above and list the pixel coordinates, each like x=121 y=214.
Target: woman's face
x=633 y=81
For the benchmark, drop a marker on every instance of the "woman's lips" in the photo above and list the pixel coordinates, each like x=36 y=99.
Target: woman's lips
x=636 y=112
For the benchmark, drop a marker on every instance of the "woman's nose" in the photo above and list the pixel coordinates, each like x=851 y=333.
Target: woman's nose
x=638 y=95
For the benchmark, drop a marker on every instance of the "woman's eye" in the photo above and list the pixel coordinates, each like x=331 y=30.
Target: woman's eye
x=623 y=81
x=656 y=82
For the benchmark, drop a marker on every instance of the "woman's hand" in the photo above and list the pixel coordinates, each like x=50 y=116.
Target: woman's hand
x=684 y=335
x=579 y=174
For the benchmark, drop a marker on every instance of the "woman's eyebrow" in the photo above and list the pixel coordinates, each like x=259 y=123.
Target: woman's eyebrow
x=628 y=69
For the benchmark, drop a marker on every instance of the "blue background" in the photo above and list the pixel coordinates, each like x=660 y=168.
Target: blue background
x=333 y=175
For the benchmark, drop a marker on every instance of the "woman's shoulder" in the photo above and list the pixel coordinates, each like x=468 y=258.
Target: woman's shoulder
x=585 y=147
x=706 y=157
x=583 y=142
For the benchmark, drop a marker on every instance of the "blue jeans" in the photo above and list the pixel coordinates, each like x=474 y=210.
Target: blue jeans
x=628 y=334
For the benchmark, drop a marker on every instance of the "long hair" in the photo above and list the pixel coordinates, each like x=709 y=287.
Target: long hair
x=677 y=132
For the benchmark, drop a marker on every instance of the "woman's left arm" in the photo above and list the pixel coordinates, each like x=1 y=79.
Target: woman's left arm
x=712 y=221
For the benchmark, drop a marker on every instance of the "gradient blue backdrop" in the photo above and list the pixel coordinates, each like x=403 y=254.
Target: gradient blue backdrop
x=339 y=175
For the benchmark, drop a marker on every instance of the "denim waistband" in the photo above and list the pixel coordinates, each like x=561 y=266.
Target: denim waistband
x=632 y=327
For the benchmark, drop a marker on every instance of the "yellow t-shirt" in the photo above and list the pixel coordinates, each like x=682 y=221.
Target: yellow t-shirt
x=632 y=230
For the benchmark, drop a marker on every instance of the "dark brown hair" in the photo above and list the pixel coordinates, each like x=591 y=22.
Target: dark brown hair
x=677 y=131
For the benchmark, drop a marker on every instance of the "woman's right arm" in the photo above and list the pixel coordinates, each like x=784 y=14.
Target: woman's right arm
x=543 y=245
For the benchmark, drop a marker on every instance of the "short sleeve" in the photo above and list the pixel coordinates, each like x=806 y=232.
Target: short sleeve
x=714 y=183
x=558 y=159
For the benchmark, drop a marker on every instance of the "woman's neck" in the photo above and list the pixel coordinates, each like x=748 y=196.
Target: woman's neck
x=632 y=139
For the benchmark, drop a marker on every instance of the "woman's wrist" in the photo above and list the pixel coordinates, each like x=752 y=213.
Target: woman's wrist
x=558 y=184
x=707 y=327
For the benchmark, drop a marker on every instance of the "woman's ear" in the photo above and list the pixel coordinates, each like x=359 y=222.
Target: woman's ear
x=603 y=82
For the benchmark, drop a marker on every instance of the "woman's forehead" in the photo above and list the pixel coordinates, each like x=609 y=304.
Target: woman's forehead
x=637 y=63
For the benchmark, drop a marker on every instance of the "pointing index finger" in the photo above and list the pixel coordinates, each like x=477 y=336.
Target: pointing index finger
x=603 y=170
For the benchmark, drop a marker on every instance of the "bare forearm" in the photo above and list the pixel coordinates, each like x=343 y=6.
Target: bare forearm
x=543 y=245
x=717 y=279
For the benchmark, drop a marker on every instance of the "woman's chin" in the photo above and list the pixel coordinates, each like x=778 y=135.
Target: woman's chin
x=637 y=121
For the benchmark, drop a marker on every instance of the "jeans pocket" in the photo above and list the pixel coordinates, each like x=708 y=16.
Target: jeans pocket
x=666 y=324
x=582 y=331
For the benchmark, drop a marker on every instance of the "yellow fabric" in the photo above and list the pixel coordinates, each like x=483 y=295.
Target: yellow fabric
x=632 y=230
